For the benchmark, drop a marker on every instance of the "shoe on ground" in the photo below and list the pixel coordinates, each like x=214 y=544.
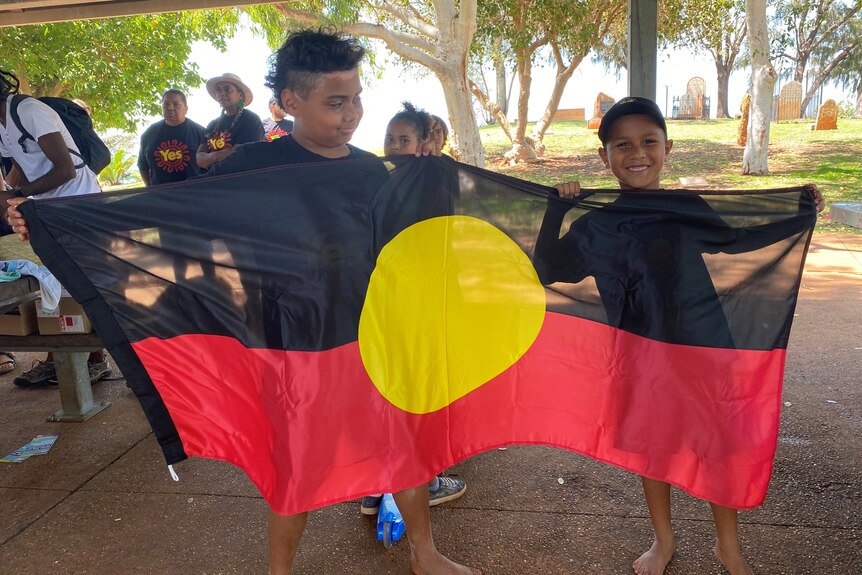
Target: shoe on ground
x=370 y=504
x=96 y=370
x=444 y=489
x=7 y=362
x=447 y=489
x=41 y=373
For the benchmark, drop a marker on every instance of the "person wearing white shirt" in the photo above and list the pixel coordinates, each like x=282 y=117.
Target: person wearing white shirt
x=44 y=168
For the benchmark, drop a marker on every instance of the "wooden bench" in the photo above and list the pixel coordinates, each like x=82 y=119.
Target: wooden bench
x=570 y=114
x=70 y=355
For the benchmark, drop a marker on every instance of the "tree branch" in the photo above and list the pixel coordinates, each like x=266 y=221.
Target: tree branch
x=491 y=107
x=445 y=10
x=411 y=17
x=405 y=45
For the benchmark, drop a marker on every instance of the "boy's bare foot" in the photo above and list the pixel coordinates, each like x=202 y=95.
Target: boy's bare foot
x=437 y=564
x=654 y=560
x=732 y=560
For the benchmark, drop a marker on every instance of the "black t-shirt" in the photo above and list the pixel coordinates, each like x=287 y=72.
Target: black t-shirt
x=277 y=300
x=275 y=130
x=168 y=152
x=279 y=152
x=230 y=130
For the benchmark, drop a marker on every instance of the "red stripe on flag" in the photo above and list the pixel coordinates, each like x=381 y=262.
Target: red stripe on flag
x=310 y=429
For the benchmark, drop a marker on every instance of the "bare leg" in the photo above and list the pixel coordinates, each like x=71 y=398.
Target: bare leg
x=424 y=557
x=727 y=545
x=285 y=531
x=656 y=558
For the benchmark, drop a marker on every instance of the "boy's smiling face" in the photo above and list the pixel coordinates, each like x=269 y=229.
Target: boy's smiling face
x=324 y=121
x=635 y=151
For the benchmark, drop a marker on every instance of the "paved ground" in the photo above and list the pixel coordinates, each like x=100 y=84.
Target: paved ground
x=101 y=502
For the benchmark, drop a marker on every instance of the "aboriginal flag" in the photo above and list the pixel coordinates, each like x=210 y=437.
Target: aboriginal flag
x=338 y=329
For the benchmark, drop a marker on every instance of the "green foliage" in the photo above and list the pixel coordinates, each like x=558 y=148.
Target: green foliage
x=815 y=30
x=119 y=66
x=846 y=109
x=119 y=170
x=524 y=23
x=697 y=24
x=848 y=72
x=273 y=23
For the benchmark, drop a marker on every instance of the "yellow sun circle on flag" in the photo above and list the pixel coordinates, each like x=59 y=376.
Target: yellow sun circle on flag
x=452 y=303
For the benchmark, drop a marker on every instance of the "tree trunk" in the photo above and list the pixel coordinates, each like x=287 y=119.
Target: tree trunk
x=858 y=113
x=560 y=81
x=442 y=48
x=561 y=78
x=754 y=159
x=826 y=72
x=465 y=131
x=57 y=90
x=522 y=148
x=23 y=84
x=493 y=109
x=723 y=75
x=502 y=94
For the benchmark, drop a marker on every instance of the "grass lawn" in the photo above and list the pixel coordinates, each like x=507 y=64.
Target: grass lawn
x=797 y=155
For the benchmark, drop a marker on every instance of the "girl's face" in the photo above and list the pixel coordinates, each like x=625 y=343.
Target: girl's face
x=401 y=138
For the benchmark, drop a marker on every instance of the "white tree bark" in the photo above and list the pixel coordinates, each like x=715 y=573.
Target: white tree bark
x=440 y=44
x=754 y=159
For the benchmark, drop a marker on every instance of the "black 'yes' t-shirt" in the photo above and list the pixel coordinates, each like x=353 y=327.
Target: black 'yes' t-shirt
x=168 y=152
x=224 y=131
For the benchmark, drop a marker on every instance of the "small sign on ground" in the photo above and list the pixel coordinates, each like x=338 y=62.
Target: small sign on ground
x=693 y=182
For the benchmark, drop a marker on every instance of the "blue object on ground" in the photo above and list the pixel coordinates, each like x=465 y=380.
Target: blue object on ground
x=390 y=525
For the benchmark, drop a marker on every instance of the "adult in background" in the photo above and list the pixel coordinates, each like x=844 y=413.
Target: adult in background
x=169 y=147
x=276 y=126
x=236 y=125
x=48 y=166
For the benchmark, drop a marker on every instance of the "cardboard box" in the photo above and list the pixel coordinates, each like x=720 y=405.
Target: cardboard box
x=69 y=317
x=20 y=321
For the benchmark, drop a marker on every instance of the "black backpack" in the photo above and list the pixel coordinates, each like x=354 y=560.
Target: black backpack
x=93 y=150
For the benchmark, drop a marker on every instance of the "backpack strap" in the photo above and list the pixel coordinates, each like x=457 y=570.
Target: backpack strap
x=25 y=135
x=13 y=111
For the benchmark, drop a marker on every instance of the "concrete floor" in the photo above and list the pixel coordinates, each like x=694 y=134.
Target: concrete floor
x=102 y=502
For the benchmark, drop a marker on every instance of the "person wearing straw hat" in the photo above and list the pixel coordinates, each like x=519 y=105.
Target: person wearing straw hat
x=235 y=125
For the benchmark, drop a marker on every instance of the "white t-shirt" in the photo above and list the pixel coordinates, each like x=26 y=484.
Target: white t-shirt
x=39 y=119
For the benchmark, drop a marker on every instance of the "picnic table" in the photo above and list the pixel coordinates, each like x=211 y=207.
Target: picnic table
x=70 y=354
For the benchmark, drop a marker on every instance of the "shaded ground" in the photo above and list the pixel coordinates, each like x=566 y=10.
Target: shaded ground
x=102 y=502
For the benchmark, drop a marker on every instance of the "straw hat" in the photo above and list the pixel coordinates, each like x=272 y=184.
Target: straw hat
x=233 y=79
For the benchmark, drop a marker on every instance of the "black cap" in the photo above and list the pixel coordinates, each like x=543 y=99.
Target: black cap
x=626 y=107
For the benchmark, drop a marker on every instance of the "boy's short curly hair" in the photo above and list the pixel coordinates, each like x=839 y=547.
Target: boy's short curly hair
x=308 y=54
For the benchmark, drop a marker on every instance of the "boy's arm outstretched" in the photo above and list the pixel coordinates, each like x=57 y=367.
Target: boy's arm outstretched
x=751 y=238
x=549 y=257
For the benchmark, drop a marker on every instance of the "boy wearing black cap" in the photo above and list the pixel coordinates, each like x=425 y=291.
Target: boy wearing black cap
x=635 y=147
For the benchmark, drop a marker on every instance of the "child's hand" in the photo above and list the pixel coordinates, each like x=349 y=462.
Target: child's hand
x=569 y=189
x=16 y=220
x=428 y=147
x=818 y=197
